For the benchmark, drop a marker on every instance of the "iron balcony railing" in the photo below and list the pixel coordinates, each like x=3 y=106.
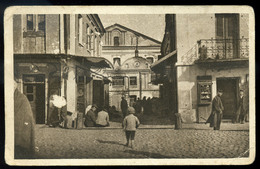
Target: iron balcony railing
x=223 y=48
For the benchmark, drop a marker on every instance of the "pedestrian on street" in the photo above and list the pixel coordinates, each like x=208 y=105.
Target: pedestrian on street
x=241 y=109
x=130 y=124
x=102 y=118
x=217 y=111
x=124 y=106
x=138 y=106
x=90 y=117
x=144 y=105
x=24 y=127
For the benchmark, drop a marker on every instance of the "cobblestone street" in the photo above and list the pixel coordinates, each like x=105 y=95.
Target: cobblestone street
x=193 y=141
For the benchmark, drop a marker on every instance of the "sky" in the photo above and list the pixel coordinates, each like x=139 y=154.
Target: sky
x=151 y=25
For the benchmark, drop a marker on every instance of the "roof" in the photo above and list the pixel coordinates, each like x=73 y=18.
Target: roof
x=134 y=32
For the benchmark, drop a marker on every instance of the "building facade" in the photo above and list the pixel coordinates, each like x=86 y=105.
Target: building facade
x=59 y=54
x=131 y=54
x=201 y=54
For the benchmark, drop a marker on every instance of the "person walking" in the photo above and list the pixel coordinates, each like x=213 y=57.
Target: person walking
x=24 y=127
x=217 y=111
x=124 y=106
x=90 y=117
x=102 y=118
x=130 y=124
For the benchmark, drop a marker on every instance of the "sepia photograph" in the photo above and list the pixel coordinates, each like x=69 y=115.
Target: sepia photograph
x=107 y=85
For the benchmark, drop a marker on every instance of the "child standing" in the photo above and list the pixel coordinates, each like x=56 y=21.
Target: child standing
x=130 y=124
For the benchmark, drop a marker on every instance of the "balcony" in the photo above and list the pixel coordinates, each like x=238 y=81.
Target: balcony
x=226 y=49
x=223 y=52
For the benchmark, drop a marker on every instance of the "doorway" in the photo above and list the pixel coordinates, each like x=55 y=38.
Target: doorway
x=98 y=92
x=230 y=95
x=34 y=89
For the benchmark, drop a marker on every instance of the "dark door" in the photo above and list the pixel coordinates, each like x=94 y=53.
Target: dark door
x=98 y=92
x=229 y=97
x=34 y=89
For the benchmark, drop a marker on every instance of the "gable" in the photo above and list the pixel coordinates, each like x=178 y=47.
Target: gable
x=127 y=37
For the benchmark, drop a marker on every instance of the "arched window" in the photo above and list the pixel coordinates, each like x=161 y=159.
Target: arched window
x=116 y=41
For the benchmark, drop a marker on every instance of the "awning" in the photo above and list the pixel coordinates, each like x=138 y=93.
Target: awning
x=98 y=62
x=95 y=62
x=159 y=62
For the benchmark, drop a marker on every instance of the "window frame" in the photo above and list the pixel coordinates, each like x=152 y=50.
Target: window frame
x=131 y=79
x=80 y=29
x=117 y=79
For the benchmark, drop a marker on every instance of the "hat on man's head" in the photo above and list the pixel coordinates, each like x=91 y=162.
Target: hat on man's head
x=131 y=110
x=94 y=105
x=219 y=90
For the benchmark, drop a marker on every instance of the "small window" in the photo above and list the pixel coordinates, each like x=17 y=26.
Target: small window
x=116 y=41
x=41 y=23
x=118 y=81
x=133 y=81
x=117 y=60
x=29 y=22
x=149 y=59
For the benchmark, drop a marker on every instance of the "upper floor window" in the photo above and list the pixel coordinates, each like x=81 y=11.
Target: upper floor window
x=29 y=22
x=41 y=22
x=227 y=26
x=118 y=81
x=80 y=29
x=117 y=61
x=133 y=80
x=149 y=59
x=35 y=22
x=88 y=35
x=116 y=41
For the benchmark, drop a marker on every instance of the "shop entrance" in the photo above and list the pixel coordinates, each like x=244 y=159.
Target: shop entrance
x=229 y=97
x=98 y=93
x=34 y=89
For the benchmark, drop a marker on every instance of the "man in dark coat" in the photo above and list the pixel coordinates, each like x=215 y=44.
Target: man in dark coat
x=124 y=106
x=241 y=109
x=90 y=117
x=24 y=125
x=217 y=111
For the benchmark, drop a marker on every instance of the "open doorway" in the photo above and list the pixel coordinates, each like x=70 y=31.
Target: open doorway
x=34 y=89
x=230 y=94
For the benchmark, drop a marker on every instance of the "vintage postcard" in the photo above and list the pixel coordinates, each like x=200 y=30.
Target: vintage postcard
x=139 y=85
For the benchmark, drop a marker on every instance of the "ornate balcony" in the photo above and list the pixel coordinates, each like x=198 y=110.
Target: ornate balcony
x=223 y=49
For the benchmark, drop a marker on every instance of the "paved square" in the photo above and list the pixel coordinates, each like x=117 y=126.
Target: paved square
x=193 y=141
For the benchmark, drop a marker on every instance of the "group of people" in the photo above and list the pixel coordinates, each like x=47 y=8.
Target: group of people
x=130 y=122
x=240 y=115
x=145 y=106
x=93 y=119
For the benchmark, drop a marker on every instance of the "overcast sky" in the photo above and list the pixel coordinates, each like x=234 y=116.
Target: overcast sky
x=149 y=24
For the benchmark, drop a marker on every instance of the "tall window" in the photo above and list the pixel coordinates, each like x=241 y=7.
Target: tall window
x=118 y=81
x=116 y=41
x=29 y=22
x=91 y=40
x=88 y=36
x=117 y=60
x=41 y=22
x=80 y=21
x=133 y=80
